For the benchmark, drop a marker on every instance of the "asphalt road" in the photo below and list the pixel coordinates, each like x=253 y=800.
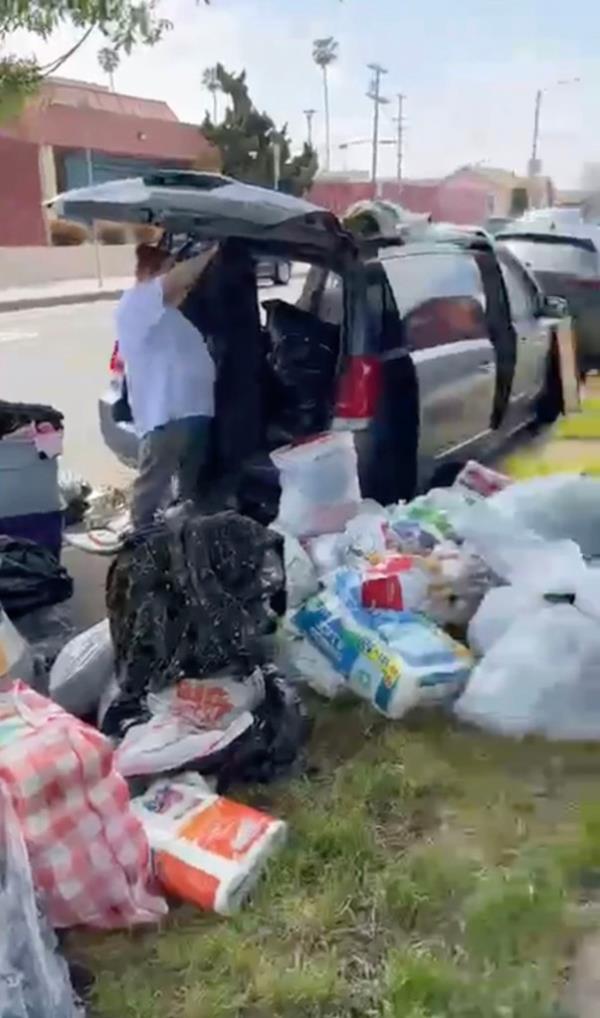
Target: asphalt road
x=60 y=356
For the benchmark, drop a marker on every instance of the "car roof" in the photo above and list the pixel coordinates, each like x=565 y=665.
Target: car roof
x=584 y=240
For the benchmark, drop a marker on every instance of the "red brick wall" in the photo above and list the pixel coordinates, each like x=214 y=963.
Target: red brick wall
x=446 y=201
x=21 y=215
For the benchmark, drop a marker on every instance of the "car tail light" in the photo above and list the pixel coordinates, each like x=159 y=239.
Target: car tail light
x=358 y=392
x=117 y=367
x=590 y=284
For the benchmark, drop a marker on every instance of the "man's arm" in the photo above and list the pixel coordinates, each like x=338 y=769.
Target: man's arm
x=178 y=281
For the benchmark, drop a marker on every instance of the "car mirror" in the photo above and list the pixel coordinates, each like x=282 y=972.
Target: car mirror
x=554 y=307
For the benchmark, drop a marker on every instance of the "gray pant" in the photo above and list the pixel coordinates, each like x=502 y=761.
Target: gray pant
x=178 y=448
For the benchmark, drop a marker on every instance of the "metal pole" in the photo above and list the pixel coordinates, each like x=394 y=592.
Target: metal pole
x=90 y=176
x=374 y=93
x=399 y=152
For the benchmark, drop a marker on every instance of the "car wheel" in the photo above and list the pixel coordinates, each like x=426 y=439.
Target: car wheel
x=282 y=273
x=550 y=402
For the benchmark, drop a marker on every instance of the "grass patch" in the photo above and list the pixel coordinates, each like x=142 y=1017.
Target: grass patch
x=431 y=872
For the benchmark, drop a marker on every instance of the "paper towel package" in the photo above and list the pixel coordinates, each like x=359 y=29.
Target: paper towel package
x=207 y=850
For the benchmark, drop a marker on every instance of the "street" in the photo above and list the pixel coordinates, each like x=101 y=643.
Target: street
x=60 y=356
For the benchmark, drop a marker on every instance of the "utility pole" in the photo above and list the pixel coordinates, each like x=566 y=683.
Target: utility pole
x=533 y=163
x=309 y=114
x=399 y=152
x=374 y=93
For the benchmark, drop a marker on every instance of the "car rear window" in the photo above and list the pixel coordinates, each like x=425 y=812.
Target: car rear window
x=564 y=258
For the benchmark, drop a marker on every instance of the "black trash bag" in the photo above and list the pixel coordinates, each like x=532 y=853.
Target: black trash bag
x=304 y=357
x=189 y=596
x=30 y=577
x=17 y=415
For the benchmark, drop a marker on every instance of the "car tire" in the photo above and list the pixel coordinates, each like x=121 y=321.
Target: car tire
x=550 y=405
x=282 y=274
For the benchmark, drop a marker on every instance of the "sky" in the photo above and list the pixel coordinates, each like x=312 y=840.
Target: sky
x=469 y=70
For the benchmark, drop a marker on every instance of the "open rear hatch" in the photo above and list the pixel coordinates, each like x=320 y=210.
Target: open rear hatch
x=212 y=207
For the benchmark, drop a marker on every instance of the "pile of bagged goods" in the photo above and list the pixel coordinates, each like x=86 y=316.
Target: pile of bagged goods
x=117 y=753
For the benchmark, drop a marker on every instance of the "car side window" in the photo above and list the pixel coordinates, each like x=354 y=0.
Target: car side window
x=521 y=298
x=440 y=297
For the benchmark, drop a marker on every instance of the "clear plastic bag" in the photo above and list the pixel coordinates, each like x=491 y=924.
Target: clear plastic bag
x=540 y=677
x=34 y=979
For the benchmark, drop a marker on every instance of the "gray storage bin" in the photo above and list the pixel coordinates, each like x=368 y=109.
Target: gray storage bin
x=28 y=484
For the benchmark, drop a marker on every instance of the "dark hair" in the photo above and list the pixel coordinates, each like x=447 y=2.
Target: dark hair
x=149 y=259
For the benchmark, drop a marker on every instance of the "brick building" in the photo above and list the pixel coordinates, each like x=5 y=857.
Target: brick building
x=45 y=149
x=469 y=196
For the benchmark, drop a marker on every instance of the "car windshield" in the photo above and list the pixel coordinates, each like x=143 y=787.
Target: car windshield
x=565 y=258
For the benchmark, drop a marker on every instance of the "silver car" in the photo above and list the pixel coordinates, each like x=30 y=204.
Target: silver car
x=435 y=346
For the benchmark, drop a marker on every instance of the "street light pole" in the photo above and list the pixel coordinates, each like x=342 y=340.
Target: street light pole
x=374 y=93
x=309 y=114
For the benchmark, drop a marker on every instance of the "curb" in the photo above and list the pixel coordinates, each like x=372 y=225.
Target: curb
x=25 y=303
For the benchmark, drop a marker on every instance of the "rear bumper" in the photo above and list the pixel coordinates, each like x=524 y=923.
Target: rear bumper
x=120 y=438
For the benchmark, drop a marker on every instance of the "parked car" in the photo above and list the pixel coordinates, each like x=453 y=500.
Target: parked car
x=278 y=270
x=442 y=345
x=563 y=254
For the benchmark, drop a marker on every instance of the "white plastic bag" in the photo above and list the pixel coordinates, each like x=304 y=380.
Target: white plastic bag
x=167 y=743
x=82 y=670
x=34 y=979
x=515 y=553
x=540 y=677
x=301 y=578
x=500 y=607
x=16 y=659
x=557 y=507
x=190 y=721
x=319 y=484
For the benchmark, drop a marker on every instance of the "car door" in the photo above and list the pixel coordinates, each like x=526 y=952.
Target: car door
x=532 y=338
x=440 y=298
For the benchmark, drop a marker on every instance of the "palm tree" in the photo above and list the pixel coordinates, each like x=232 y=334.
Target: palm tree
x=210 y=80
x=325 y=52
x=109 y=60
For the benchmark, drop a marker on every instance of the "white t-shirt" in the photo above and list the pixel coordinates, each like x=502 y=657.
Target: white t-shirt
x=170 y=373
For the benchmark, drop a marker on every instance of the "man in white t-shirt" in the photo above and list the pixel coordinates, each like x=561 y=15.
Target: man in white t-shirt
x=170 y=378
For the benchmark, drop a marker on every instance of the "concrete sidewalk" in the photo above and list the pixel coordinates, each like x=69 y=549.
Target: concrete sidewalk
x=64 y=291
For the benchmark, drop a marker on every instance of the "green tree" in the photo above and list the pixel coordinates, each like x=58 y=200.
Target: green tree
x=109 y=60
x=247 y=140
x=325 y=52
x=211 y=82
x=124 y=23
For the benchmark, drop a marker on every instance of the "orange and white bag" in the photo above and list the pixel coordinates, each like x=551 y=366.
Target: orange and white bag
x=207 y=850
